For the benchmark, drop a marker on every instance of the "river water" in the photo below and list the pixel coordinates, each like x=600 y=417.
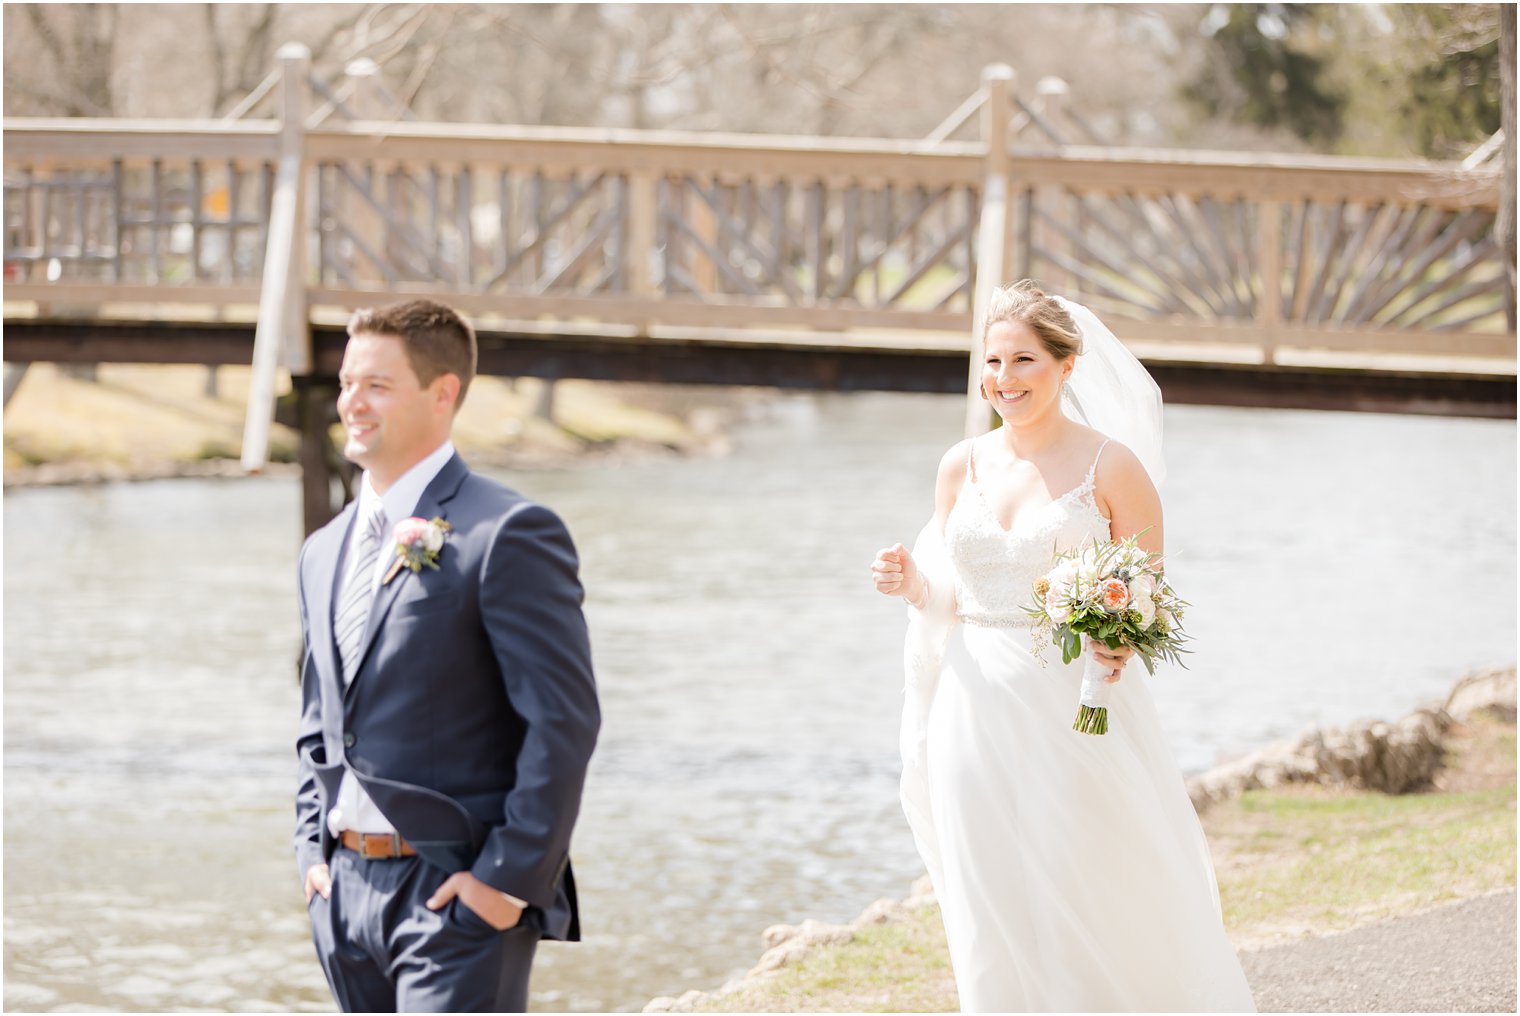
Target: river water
x=1341 y=566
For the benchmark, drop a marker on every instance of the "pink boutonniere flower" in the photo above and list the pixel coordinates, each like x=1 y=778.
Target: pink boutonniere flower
x=418 y=544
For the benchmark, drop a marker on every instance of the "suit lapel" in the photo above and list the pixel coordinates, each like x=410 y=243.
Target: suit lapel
x=329 y=551
x=432 y=504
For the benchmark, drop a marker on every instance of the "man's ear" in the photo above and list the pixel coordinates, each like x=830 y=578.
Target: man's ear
x=446 y=390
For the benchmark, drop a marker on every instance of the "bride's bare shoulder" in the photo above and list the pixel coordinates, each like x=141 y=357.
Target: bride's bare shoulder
x=1100 y=448
x=956 y=456
x=952 y=471
x=1120 y=470
x=1114 y=453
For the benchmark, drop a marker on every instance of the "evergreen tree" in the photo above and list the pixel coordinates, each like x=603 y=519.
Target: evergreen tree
x=1258 y=70
x=1451 y=101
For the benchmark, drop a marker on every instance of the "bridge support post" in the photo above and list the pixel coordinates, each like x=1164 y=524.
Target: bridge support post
x=1053 y=95
x=1269 y=310
x=705 y=225
x=992 y=230
x=639 y=247
x=282 y=336
x=315 y=402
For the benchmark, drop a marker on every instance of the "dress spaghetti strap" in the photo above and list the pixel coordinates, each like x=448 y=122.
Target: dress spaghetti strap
x=1092 y=470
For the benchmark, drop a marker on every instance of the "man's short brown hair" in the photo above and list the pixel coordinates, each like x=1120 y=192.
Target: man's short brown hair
x=437 y=340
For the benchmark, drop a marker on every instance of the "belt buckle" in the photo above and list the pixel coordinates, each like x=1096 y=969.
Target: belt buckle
x=387 y=845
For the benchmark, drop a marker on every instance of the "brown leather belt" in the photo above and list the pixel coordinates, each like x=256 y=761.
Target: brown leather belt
x=376 y=846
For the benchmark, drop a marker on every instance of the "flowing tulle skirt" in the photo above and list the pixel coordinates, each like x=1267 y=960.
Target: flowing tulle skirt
x=1073 y=874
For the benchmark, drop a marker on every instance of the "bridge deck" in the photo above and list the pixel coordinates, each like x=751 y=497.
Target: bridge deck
x=1221 y=373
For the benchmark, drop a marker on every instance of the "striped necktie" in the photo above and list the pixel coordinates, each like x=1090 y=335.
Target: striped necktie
x=358 y=582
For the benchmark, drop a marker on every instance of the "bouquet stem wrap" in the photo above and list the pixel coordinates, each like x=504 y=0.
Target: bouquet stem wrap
x=1092 y=708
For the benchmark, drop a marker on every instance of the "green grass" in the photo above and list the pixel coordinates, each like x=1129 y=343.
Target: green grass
x=1333 y=861
x=1303 y=858
x=899 y=967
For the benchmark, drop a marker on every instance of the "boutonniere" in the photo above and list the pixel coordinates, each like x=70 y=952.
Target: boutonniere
x=418 y=544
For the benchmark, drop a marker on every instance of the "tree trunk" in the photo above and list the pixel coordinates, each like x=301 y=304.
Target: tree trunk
x=1505 y=227
x=544 y=407
x=14 y=372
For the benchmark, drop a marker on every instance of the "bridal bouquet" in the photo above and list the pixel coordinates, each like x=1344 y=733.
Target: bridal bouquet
x=1112 y=592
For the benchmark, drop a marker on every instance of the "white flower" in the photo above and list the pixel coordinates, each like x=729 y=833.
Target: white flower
x=1168 y=622
x=1062 y=576
x=1059 y=613
x=418 y=544
x=1145 y=604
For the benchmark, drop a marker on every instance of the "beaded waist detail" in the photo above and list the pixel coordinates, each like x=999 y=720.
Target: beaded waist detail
x=991 y=620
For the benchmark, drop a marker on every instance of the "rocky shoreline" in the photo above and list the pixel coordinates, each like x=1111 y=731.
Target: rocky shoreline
x=84 y=473
x=1388 y=757
x=152 y=422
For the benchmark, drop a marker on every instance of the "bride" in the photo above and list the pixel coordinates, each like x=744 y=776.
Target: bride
x=1071 y=870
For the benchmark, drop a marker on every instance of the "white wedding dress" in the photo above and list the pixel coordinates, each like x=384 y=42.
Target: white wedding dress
x=1071 y=871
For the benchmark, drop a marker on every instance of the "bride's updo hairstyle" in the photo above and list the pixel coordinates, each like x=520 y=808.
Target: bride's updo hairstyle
x=1027 y=303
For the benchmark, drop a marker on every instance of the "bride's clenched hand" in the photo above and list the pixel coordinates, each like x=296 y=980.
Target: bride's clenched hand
x=894 y=572
x=1113 y=659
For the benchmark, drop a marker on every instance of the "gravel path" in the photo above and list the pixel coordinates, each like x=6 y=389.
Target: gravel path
x=1459 y=957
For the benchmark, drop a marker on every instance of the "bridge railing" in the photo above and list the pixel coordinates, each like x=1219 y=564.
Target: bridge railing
x=168 y=211
x=1356 y=255
x=661 y=228
x=643 y=227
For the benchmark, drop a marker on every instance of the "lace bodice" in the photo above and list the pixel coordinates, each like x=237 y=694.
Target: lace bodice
x=996 y=568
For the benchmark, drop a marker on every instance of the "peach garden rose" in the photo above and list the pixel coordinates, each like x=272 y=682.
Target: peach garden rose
x=1113 y=594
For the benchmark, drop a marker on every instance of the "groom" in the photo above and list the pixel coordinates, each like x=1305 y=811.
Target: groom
x=448 y=705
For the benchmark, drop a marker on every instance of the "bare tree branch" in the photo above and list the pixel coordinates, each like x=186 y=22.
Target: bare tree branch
x=48 y=97
x=218 y=58
x=81 y=56
x=259 y=52
x=46 y=33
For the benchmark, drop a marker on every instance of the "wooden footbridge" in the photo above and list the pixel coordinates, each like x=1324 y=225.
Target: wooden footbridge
x=759 y=260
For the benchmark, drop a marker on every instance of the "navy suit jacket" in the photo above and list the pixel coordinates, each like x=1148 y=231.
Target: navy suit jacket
x=473 y=713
